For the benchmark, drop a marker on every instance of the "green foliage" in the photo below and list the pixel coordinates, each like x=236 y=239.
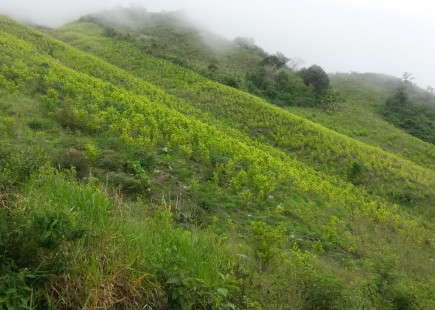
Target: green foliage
x=50 y=100
x=91 y=153
x=150 y=129
x=39 y=124
x=266 y=241
x=18 y=162
x=60 y=219
x=72 y=158
x=68 y=119
x=316 y=77
x=418 y=120
x=186 y=292
x=356 y=172
x=323 y=291
x=16 y=293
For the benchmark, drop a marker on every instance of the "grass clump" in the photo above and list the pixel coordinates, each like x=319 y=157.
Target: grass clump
x=65 y=244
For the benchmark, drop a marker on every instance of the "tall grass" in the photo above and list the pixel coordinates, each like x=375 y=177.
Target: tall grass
x=65 y=244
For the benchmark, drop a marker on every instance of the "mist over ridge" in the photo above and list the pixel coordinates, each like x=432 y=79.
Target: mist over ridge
x=388 y=37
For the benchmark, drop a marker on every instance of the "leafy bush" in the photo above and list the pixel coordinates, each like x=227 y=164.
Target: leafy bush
x=111 y=161
x=39 y=124
x=50 y=100
x=126 y=182
x=356 y=172
x=72 y=158
x=91 y=153
x=67 y=119
x=18 y=162
x=323 y=291
x=188 y=292
x=266 y=241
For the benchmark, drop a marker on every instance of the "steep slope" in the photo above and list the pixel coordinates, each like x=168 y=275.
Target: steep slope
x=360 y=117
x=239 y=64
x=325 y=150
x=170 y=36
x=231 y=153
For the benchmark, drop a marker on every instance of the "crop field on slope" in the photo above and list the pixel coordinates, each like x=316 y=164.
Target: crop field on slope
x=325 y=150
x=378 y=133
x=85 y=94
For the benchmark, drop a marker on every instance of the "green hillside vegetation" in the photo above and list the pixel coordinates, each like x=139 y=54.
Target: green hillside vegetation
x=170 y=34
x=404 y=104
x=128 y=181
x=325 y=150
x=239 y=64
x=362 y=116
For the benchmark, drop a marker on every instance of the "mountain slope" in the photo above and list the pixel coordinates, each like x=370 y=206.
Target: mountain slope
x=212 y=148
x=173 y=35
x=239 y=64
x=256 y=118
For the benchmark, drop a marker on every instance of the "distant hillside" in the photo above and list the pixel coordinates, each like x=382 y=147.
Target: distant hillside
x=400 y=102
x=239 y=64
x=130 y=178
x=244 y=65
x=361 y=115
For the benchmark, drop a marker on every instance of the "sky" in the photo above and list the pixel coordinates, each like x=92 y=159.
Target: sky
x=382 y=36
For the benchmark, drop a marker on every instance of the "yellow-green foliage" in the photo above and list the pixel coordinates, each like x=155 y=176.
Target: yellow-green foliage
x=271 y=125
x=142 y=120
x=250 y=149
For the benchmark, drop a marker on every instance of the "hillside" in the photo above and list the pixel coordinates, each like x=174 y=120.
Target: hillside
x=128 y=180
x=361 y=116
x=238 y=63
x=171 y=37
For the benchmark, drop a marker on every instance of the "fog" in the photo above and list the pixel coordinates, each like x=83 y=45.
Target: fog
x=384 y=36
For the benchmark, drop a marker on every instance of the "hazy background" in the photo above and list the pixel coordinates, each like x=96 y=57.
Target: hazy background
x=385 y=36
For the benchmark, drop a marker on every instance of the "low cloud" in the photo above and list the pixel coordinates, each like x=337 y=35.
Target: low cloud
x=366 y=36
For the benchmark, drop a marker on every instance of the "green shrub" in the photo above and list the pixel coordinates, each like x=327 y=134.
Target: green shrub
x=266 y=241
x=67 y=119
x=39 y=124
x=111 y=161
x=18 y=162
x=323 y=291
x=146 y=158
x=126 y=182
x=72 y=158
x=92 y=153
x=187 y=292
x=356 y=172
x=50 y=100
x=403 y=299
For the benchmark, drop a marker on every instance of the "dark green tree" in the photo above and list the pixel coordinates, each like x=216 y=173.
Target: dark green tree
x=316 y=77
x=277 y=61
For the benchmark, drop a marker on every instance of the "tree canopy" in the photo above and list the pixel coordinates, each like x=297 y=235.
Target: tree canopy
x=316 y=77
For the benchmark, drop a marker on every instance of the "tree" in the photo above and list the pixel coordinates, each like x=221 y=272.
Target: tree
x=277 y=61
x=316 y=77
x=244 y=42
x=408 y=77
x=399 y=98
